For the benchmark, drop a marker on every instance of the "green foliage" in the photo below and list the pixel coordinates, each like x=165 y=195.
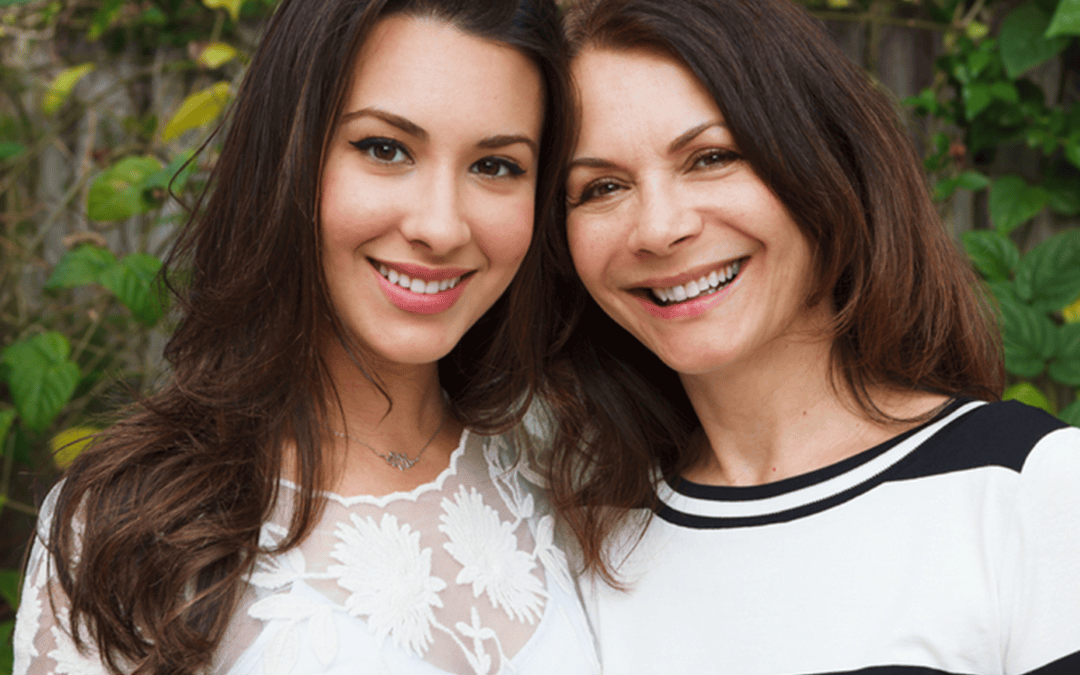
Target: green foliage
x=988 y=101
x=89 y=165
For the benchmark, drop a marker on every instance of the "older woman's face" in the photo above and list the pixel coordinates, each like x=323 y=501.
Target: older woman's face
x=427 y=192
x=672 y=233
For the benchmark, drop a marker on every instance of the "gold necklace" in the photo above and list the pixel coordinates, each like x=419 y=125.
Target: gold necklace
x=398 y=460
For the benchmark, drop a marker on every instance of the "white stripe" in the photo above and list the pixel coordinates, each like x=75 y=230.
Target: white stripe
x=812 y=493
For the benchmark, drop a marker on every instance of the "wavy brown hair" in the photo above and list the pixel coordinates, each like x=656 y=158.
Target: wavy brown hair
x=910 y=313
x=157 y=524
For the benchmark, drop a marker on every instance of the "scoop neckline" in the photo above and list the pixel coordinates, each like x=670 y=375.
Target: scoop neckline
x=400 y=495
x=715 y=506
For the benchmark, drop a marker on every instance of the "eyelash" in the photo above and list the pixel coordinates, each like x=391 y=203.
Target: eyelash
x=504 y=168
x=720 y=157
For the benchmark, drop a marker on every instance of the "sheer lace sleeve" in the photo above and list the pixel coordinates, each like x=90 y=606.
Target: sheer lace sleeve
x=43 y=645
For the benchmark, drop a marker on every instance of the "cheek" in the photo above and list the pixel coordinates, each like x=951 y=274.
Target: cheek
x=507 y=233
x=587 y=248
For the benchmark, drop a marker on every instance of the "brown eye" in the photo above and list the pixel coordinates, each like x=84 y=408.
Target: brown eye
x=598 y=190
x=383 y=150
x=714 y=158
x=496 y=168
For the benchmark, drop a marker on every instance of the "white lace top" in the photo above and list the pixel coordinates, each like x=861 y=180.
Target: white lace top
x=461 y=575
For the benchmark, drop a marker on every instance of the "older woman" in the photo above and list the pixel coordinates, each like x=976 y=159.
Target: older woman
x=773 y=419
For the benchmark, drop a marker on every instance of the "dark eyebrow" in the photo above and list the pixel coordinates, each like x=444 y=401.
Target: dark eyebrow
x=503 y=140
x=398 y=121
x=687 y=136
x=676 y=145
x=592 y=163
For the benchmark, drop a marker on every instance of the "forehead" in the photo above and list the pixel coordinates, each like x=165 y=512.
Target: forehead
x=629 y=92
x=431 y=67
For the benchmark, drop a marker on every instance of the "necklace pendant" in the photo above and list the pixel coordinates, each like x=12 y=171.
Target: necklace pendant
x=400 y=461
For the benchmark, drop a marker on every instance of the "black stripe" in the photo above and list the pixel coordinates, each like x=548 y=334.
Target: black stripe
x=1067 y=665
x=892 y=670
x=753 y=492
x=998 y=434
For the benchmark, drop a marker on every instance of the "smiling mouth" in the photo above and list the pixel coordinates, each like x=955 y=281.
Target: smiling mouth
x=416 y=284
x=706 y=285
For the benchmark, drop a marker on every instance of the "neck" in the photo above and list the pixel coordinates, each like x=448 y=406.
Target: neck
x=781 y=413
x=401 y=418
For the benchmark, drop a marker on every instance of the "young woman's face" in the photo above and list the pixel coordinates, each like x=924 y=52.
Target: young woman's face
x=427 y=191
x=672 y=233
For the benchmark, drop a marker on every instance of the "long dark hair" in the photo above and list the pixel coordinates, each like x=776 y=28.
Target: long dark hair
x=157 y=524
x=815 y=129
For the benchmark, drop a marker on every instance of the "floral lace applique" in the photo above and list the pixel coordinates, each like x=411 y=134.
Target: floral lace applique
x=386 y=572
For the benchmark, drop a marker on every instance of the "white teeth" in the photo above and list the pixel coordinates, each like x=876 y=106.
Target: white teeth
x=417 y=285
x=703 y=286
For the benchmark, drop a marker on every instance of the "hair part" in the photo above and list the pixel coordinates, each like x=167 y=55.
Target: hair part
x=909 y=311
x=157 y=524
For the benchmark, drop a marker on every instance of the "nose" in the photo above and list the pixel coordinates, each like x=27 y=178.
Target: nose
x=663 y=221
x=437 y=218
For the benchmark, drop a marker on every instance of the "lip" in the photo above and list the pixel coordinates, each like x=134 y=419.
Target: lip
x=686 y=277
x=425 y=273
x=697 y=306
x=421 y=303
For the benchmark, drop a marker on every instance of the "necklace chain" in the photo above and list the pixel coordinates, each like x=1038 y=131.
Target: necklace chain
x=398 y=460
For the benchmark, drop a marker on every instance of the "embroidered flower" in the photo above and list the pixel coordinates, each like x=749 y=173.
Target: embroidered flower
x=390 y=579
x=276 y=571
x=479 y=659
x=488 y=552
x=69 y=660
x=28 y=617
x=551 y=556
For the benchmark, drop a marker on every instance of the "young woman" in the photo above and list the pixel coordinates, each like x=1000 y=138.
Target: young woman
x=308 y=494
x=772 y=420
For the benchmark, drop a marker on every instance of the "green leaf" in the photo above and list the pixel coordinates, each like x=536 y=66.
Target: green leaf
x=217 y=54
x=81 y=266
x=976 y=97
x=198 y=109
x=1028 y=336
x=104 y=17
x=1029 y=394
x=1072 y=153
x=7 y=649
x=233 y=6
x=11 y=3
x=118 y=192
x=7 y=418
x=1023 y=40
x=993 y=254
x=61 y=87
x=1049 y=275
x=1066 y=19
x=1006 y=91
x=134 y=281
x=175 y=176
x=10 y=150
x=40 y=377
x=1013 y=202
x=9 y=587
x=1071 y=413
x=1064 y=193
x=1065 y=366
